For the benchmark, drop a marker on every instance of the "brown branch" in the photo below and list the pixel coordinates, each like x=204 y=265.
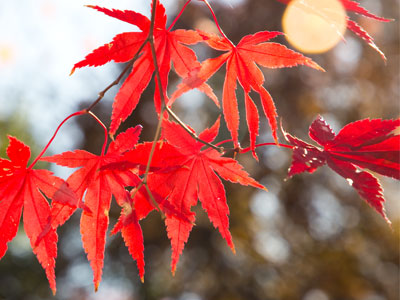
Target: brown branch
x=150 y=39
x=116 y=81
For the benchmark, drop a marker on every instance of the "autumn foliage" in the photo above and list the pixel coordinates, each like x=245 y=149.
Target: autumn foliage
x=179 y=167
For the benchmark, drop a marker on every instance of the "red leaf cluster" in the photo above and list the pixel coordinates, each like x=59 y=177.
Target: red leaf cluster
x=22 y=187
x=180 y=173
x=96 y=185
x=197 y=179
x=169 y=46
x=365 y=144
x=241 y=66
x=240 y=62
x=173 y=172
x=183 y=173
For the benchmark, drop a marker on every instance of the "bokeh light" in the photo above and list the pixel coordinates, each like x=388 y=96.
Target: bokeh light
x=314 y=26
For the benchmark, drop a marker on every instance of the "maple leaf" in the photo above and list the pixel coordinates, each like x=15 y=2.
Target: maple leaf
x=183 y=173
x=23 y=187
x=99 y=184
x=355 y=7
x=366 y=144
x=169 y=46
x=138 y=204
x=241 y=65
x=131 y=232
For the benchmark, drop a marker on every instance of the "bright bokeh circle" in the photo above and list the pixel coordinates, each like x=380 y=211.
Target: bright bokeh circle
x=314 y=26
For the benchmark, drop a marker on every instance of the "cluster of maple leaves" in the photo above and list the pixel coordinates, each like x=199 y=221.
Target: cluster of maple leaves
x=178 y=168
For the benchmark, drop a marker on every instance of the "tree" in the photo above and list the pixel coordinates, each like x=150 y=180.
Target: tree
x=155 y=169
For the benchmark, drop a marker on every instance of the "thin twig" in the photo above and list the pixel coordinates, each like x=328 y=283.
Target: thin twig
x=162 y=96
x=78 y=113
x=194 y=135
x=153 y=148
x=153 y=200
x=217 y=24
x=116 y=81
x=103 y=149
x=266 y=144
x=163 y=107
x=178 y=16
x=150 y=39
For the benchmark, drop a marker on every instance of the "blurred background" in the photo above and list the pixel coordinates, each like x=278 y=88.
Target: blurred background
x=310 y=237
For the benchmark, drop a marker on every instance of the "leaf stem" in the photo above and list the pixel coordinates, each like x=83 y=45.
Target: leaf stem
x=161 y=91
x=152 y=150
x=164 y=107
x=54 y=135
x=194 y=135
x=153 y=200
x=266 y=144
x=223 y=142
x=158 y=130
x=105 y=131
x=217 y=24
x=178 y=16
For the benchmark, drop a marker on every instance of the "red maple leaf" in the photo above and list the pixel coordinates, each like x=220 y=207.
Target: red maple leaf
x=366 y=144
x=99 y=184
x=131 y=232
x=137 y=205
x=183 y=173
x=23 y=187
x=355 y=7
x=241 y=65
x=169 y=47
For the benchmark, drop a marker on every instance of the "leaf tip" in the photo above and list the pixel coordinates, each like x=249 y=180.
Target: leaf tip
x=51 y=277
x=72 y=71
x=142 y=279
x=383 y=214
x=173 y=270
x=389 y=223
x=253 y=152
x=316 y=66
